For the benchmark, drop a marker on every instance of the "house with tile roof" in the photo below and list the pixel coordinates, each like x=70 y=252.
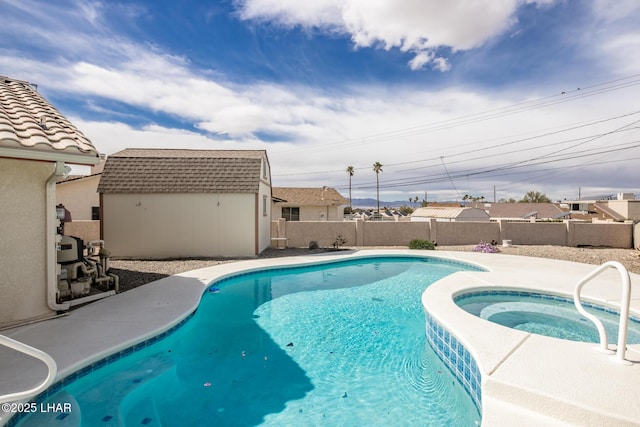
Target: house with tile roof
x=308 y=204
x=159 y=203
x=36 y=144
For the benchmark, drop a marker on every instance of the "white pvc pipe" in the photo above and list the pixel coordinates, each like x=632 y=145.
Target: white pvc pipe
x=51 y=252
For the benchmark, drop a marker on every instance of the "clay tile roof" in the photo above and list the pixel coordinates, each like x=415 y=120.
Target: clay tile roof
x=30 y=122
x=183 y=171
x=308 y=196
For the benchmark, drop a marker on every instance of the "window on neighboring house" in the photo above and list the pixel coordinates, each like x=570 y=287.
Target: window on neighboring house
x=265 y=210
x=291 y=214
x=95 y=213
x=264 y=169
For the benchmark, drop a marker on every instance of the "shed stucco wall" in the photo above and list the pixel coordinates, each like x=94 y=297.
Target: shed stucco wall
x=264 y=216
x=179 y=225
x=23 y=248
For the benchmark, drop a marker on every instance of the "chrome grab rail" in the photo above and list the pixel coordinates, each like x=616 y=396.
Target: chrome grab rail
x=624 y=310
x=38 y=354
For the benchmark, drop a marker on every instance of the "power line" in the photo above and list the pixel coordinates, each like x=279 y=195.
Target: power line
x=483 y=149
x=504 y=169
x=449 y=176
x=565 y=96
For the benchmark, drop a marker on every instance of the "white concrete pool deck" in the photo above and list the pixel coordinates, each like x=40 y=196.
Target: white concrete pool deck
x=527 y=379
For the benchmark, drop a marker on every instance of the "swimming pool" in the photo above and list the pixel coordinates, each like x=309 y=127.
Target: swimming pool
x=548 y=315
x=338 y=344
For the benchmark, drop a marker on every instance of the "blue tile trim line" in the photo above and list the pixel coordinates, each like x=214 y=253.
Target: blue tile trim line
x=529 y=294
x=56 y=387
x=457 y=358
x=417 y=258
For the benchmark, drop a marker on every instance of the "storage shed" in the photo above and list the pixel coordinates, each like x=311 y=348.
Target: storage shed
x=159 y=203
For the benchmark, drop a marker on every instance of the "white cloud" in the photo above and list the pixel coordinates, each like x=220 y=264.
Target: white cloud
x=616 y=35
x=417 y=26
x=314 y=13
x=317 y=133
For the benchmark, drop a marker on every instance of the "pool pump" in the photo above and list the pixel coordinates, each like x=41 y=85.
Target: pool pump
x=84 y=271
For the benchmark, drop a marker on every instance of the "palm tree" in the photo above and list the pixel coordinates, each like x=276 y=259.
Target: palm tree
x=350 y=172
x=377 y=168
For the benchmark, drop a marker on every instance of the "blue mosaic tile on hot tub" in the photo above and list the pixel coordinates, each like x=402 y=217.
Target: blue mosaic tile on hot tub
x=457 y=359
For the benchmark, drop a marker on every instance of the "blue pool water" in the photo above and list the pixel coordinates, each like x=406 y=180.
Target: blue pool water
x=546 y=315
x=338 y=344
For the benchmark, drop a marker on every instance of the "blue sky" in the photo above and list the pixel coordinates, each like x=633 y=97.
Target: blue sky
x=459 y=97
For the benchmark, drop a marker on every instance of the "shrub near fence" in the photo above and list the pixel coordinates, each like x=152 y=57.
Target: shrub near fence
x=379 y=233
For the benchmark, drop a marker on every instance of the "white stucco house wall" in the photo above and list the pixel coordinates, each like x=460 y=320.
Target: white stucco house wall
x=36 y=145
x=185 y=203
x=308 y=204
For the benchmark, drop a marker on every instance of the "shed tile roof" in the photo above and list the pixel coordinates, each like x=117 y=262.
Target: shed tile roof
x=30 y=122
x=308 y=196
x=182 y=171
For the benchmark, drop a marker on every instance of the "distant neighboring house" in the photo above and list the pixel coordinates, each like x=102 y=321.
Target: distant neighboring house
x=308 y=204
x=623 y=207
x=79 y=195
x=36 y=144
x=450 y=214
x=186 y=203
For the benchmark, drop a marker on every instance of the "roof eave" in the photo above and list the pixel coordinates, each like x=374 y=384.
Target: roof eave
x=88 y=159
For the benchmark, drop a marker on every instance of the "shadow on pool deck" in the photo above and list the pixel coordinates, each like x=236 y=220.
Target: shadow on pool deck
x=219 y=368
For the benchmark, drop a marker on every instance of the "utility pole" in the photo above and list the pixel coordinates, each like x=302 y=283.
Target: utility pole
x=494 y=194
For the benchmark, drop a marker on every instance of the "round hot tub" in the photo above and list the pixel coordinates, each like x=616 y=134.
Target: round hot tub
x=543 y=314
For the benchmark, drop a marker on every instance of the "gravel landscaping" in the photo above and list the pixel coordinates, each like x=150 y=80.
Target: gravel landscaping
x=134 y=273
